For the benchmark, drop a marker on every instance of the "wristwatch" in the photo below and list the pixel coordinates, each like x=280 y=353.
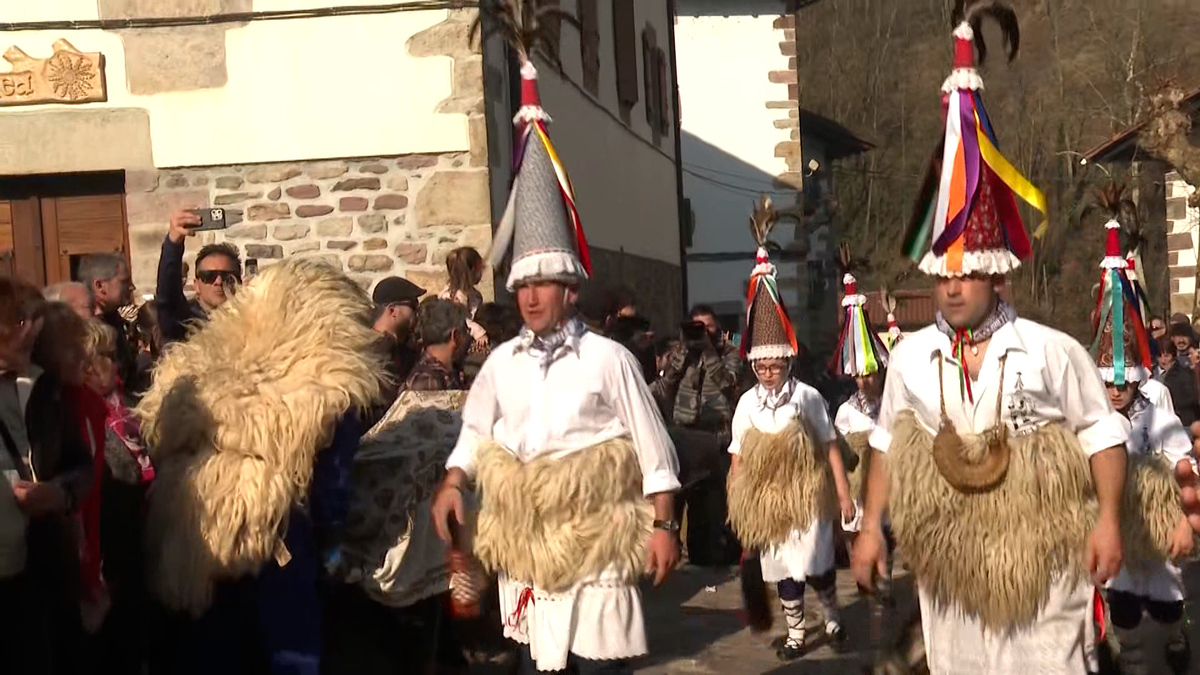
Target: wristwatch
x=668 y=525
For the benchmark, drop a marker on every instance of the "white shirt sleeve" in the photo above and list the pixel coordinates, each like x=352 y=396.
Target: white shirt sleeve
x=479 y=416
x=891 y=404
x=741 y=423
x=1171 y=437
x=1073 y=376
x=842 y=421
x=635 y=407
x=812 y=406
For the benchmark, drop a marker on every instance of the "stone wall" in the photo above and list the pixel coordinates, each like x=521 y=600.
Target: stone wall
x=370 y=217
x=1182 y=223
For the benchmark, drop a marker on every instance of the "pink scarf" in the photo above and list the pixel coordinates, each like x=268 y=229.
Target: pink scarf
x=127 y=428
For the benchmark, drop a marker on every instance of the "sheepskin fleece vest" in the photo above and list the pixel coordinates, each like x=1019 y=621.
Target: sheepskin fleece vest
x=554 y=522
x=236 y=416
x=994 y=554
x=783 y=483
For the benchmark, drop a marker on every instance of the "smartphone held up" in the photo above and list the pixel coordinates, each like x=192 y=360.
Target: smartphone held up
x=210 y=219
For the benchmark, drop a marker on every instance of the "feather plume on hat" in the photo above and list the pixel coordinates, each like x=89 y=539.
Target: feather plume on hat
x=768 y=333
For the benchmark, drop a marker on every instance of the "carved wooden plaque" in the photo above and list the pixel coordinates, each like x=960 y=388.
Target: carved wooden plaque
x=67 y=76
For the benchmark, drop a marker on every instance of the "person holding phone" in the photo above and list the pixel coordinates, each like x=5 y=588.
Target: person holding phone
x=218 y=274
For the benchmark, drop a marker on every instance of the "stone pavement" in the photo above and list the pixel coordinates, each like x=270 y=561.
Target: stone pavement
x=694 y=627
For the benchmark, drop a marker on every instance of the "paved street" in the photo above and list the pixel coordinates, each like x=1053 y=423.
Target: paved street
x=695 y=628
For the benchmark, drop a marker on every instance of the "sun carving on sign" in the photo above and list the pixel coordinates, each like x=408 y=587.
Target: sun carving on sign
x=70 y=74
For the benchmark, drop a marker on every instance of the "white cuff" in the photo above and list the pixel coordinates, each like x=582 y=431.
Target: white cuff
x=659 y=481
x=463 y=454
x=880 y=439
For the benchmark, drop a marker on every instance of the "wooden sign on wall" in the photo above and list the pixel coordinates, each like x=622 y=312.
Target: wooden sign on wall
x=67 y=76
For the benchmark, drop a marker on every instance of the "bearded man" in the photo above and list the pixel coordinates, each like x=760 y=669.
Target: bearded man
x=563 y=439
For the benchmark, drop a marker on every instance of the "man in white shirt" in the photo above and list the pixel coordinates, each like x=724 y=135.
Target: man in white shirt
x=993 y=434
x=565 y=445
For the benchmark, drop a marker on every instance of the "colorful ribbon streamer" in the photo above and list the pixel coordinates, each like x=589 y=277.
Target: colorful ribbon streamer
x=969 y=154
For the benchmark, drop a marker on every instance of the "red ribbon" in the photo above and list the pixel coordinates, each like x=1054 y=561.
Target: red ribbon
x=525 y=599
x=962 y=337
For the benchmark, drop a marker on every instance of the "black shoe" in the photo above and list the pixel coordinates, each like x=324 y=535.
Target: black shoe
x=1179 y=653
x=837 y=636
x=791 y=650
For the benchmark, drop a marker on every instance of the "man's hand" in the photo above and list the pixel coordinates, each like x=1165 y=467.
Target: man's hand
x=1182 y=540
x=448 y=502
x=39 y=499
x=868 y=558
x=662 y=554
x=1104 y=550
x=848 y=509
x=1189 y=484
x=182 y=223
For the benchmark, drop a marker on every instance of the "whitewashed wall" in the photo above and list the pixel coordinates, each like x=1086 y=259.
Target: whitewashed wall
x=729 y=139
x=297 y=89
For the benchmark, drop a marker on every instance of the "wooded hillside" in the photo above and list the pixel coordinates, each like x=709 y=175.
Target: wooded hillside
x=1086 y=70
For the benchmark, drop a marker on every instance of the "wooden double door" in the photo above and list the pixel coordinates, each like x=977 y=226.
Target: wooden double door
x=47 y=223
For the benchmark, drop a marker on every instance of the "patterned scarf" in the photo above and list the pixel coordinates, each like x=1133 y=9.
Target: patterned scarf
x=774 y=400
x=961 y=338
x=865 y=406
x=550 y=348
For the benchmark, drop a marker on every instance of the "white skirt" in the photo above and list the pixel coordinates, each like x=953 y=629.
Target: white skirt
x=1056 y=644
x=803 y=554
x=599 y=619
x=1163 y=583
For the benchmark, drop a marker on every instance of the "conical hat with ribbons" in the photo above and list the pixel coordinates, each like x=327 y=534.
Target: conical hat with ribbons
x=540 y=219
x=965 y=221
x=768 y=331
x=859 y=351
x=1120 y=342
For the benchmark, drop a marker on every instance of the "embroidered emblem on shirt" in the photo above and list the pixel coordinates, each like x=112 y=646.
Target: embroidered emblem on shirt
x=1020 y=411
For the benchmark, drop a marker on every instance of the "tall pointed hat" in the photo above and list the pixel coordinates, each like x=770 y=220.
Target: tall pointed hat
x=768 y=333
x=540 y=220
x=1120 y=342
x=965 y=220
x=859 y=351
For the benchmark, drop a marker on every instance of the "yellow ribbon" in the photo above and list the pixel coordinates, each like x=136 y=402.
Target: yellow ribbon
x=1013 y=178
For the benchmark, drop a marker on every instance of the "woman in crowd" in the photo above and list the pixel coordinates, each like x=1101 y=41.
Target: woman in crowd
x=464 y=265
x=127 y=475
x=54 y=472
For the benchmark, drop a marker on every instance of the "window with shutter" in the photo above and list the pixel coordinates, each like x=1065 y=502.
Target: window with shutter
x=625 y=51
x=650 y=75
x=589 y=44
x=552 y=24
x=665 y=120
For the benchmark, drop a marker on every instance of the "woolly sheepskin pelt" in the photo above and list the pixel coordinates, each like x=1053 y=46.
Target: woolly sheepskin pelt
x=783 y=482
x=1150 y=510
x=236 y=416
x=994 y=554
x=554 y=522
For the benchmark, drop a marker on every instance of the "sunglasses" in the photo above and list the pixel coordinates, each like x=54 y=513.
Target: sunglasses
x=224 y=276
